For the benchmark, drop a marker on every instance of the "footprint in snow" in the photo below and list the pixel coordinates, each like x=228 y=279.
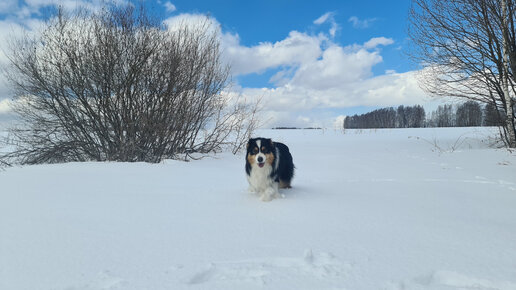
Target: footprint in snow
x=104 y=281
x=453 y=280
x=320 y=266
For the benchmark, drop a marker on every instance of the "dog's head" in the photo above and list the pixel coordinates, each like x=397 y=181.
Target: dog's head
x=260 y=151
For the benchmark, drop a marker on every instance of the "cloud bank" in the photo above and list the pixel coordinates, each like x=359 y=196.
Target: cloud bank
x=315 y=76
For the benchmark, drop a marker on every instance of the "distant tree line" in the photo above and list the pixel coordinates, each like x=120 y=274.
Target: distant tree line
x=402 y=117
x=296 y=128
x=467 y=114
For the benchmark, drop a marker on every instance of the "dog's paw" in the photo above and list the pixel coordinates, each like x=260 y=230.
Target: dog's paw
x=265 y=198
x=269 y=195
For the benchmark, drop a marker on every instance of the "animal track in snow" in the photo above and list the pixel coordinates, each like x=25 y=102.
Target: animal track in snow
x=103 y=281
x=320 y=266
x=452 y=280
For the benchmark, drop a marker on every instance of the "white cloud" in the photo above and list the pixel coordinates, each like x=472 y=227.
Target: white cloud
x=8 y=6
x=374 y=42
x=296 y=49
x=33 y=6
x=8 y=29
x=328 y=17
x=290 y=101
x=323 y=18
x=169 y=6
x=23 y=11
x=337 y=66
x=174 y=22
x=384 y=90
x=390 y=72
x=361 y=23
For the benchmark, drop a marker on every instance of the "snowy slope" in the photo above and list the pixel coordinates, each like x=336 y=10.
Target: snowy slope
x=370 y=209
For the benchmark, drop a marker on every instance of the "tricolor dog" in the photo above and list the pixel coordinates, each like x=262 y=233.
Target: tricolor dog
x=269 y=166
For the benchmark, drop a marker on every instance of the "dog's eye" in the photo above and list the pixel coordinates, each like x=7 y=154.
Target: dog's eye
x=265 y=150
x=255 y=150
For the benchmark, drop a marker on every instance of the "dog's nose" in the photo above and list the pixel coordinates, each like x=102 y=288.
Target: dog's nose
x=260 y=159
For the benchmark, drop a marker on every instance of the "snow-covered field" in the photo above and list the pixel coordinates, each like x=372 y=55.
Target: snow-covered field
x=370 y=209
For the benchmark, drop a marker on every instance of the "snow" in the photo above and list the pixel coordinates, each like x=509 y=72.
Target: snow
x=369 y=209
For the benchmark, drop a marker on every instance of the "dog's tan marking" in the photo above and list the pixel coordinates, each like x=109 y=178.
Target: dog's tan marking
x=269 y=158
x=251 y=159
x=283 y=184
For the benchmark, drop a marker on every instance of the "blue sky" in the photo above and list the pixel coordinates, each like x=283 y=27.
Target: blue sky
x=271 y=21
x=310 y=62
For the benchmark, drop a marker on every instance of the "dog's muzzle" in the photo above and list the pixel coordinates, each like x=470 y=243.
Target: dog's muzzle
x=261 y=161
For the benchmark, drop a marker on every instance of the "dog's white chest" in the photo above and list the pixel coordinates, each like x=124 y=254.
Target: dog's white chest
x=262 y=184
x=259 y=178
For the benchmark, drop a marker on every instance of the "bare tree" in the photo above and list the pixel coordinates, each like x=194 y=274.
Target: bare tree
x=120 y=85
x=508 y=56
x=468 y=50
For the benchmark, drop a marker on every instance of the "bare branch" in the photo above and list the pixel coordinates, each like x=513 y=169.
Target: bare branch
x=461 y=46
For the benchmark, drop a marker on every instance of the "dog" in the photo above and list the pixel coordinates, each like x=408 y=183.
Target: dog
x=269 y=166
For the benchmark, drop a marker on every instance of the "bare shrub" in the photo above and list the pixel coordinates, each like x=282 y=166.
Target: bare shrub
x=117 y=85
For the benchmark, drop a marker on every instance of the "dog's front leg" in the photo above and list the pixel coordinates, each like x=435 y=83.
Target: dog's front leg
x=266 y=196
x=270 y=193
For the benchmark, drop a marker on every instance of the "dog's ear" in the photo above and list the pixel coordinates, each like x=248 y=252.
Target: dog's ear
x=248 y=144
